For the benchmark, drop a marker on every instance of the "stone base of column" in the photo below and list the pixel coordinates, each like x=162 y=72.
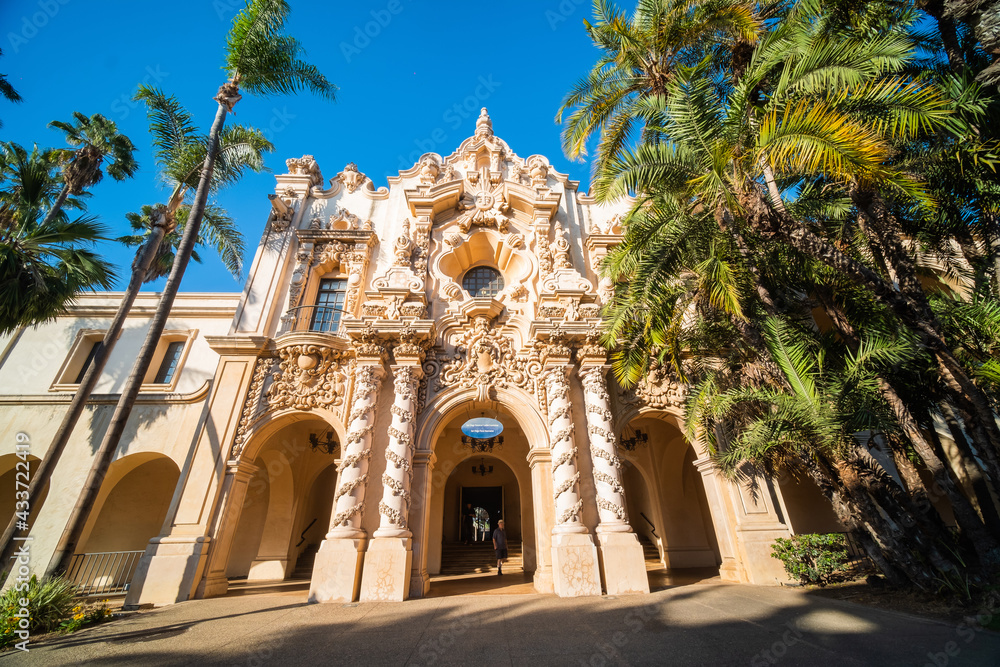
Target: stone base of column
x=336 y=575
x=542 y=581
x=267 y=569
x=420 y=583
x=387 y=569
x=730 y=571
x=168 y=571
x=623 y=565
x=575 y=569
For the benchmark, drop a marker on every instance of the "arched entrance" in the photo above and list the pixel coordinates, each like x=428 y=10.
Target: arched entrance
x=667 y=505
x=282 y=511
x=130 y=510
x=480 y=491
x=457 y=480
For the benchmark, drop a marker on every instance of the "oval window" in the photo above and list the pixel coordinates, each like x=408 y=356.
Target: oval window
x=482 y=281
x=482 y=428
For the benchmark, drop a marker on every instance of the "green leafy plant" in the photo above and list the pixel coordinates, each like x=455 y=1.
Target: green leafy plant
x=84 y=616
x=812 y=558
x=50 y=601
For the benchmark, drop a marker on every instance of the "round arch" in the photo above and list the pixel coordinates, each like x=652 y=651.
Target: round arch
x=8 y=482
x=440 y=412
x=271 y=423
x=132 y=504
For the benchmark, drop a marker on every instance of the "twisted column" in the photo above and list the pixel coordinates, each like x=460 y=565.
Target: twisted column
x=603 y=451
x=565 y=476
x=395 y=504
x=349 y=500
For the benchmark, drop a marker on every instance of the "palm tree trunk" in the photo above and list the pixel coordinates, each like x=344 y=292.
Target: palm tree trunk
x=48 y=464
x=986 y=545
x=56 y=205
x=910 y=310
x=984 y=488
x=102 y=461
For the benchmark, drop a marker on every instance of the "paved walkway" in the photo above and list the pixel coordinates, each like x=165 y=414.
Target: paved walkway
x=694 y=624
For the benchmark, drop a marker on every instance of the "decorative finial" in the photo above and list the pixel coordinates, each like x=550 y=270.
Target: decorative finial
x=484 y=126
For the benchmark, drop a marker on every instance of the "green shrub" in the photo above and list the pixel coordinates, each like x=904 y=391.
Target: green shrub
x=812 y=558
x=50 y=602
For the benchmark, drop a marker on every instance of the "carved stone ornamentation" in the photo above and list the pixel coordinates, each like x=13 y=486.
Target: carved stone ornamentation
x=308 y=376
x=251 y=406
x=538 y=171
x=603 y=450
x=486 y=359
x=429 y=170
x=349 y=499
x=305 y=166
x=351 y=177
x=370 y=343
x=565 y=475
x=659 y=389
x=395 y=504
x=402 y=249
x=560 y=249
x=486 y=209
x=484 y=126
x=408 y=345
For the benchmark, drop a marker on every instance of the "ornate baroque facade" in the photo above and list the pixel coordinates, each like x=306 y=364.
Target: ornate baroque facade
x=360 y=322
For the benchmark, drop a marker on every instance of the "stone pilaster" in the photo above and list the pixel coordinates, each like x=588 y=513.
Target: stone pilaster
x=574 y=556
x=623 y=565
x=233 y=497
x=388 y=560
x=337 y=573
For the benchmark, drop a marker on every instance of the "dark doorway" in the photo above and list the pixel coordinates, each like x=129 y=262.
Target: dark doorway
x=485 y=504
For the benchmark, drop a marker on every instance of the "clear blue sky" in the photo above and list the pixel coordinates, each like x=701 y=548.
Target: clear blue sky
x=409 y=79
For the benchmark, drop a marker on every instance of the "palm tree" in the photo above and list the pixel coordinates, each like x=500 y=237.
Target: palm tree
x=180 y=151
x=816 y=117
x=43 y=263
x=7 y=91
x=264 y=61
x=640 y=58
x=97 y=141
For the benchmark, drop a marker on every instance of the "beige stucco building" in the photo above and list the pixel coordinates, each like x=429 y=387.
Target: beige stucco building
x=375 y=322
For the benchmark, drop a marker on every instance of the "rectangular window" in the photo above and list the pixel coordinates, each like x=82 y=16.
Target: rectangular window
x=329 y=305
x=169 y=364
x=94 y=349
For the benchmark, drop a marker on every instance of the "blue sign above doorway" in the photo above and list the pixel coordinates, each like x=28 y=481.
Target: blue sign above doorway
x=482 y=428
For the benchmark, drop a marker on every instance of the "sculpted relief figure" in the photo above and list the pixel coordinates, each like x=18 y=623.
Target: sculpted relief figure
x=429 y=171
x=486 y=210
x=538 y=171
x=351 y=177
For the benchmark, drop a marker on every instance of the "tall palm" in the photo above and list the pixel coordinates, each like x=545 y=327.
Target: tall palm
x=43 y=263
x=264 y=61
x=180 y=151
x=96 y=141
x=7 y=90
x=639 y=58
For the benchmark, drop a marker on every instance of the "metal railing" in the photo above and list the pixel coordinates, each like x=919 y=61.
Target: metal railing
x=103 y=573
x=324 y=319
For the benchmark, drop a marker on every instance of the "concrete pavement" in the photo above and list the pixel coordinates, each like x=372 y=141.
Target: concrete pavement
x=696 y=624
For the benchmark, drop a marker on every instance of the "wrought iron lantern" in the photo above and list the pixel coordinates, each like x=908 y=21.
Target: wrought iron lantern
x=482 y=469
x=632 y=438
x=327 y=445
x=484 y=445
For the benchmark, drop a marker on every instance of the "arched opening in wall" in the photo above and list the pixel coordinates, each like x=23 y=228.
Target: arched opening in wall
x=129 y=511
x=318 y=508
x=285 y=511
x=670 y=514
x=470 y=492
x=11 y=475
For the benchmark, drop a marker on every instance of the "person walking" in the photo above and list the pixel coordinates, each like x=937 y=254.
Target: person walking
x=500 y=545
